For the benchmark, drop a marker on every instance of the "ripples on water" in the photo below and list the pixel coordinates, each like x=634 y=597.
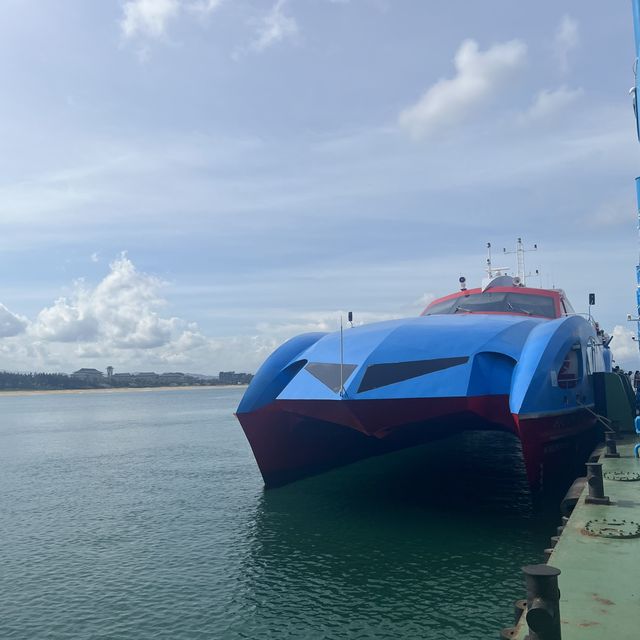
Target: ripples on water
x=142 y=515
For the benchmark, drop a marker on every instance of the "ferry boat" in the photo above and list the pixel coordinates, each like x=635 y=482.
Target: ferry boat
x=504 y=356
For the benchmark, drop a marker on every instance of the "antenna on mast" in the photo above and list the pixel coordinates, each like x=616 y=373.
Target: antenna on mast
x=489 y=259
x=520 y=251
x=491 y=270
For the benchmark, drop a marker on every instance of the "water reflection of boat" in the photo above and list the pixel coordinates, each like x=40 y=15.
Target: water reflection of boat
x=377 y=550
x=501 y=357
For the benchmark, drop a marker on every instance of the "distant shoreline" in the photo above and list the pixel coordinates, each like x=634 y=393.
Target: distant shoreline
x=34 y=392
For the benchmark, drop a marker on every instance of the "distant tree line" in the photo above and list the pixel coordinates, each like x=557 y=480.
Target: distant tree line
x=59 y=381
x=43 y=381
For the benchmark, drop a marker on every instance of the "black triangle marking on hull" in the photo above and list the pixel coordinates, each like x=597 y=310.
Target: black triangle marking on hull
x=329 y=374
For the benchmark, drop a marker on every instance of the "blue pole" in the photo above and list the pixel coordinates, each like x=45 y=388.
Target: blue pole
x=636 y=31
x=638 y=265
x=636 y=24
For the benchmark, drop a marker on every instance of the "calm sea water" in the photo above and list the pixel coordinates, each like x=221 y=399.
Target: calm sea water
x=142 y=515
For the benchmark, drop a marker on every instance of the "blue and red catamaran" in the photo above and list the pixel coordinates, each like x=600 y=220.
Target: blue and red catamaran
x=504 y=357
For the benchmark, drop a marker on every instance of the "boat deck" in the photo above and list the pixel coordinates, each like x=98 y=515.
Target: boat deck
x=600 y=580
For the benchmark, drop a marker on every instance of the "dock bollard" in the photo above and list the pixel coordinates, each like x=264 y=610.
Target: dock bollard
x=596 y=484
x=554 y=541
x=612 y=449
x=543 y=602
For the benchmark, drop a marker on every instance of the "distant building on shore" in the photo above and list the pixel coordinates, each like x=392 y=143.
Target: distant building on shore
x=151 y=378
x=121 y=378
x=146 y=377
x=231 y=377
x=174 y=378
x=88 y=375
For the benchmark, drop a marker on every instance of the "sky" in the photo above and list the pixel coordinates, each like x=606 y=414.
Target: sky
x=185 y=184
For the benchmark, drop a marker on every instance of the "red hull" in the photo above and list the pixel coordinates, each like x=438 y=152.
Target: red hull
x=292 y=439
x=548 y=441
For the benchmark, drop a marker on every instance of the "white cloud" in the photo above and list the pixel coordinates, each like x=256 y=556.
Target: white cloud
x=119 y=322
x=150 y=18
x=625 y=348
x=479 y=76
x=122 y=312
x=275 y=27
x=547 y=103
x=10 y=323
x=68 y=321
x=567 y=38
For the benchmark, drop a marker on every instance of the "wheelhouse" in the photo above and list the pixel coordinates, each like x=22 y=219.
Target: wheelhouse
x=512 y=300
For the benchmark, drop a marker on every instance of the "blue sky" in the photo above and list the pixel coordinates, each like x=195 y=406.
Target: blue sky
x=186 y=183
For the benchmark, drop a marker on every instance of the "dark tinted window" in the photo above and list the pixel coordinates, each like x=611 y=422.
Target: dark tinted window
x=442 y=307
x=497 y=302
x=380 y=375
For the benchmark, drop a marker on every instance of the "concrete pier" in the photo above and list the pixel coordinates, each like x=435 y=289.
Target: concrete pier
x=598 y=555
